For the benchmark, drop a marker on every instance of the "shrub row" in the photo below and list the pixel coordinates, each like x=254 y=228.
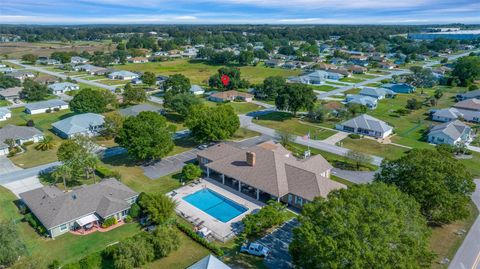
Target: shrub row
x=35 y=223
x=109 y=222
x=202 y=241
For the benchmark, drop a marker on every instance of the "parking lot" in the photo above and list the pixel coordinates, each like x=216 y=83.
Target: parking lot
x=278 y=242
x=169 y=164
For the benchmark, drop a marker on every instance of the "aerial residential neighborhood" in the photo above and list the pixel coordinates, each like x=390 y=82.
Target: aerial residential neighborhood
x=239 y=134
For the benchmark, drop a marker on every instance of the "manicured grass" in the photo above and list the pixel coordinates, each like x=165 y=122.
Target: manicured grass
x=285 y=122
x=341 y=180
x=199 y=72
x=444 y=240
x=352 y=80
x=323 y=88
x=111 y=82
x=473 y=164
x=363 y=76
x=373 y=84
x=244 y=108
x=373 y=147
x=336 y=83
x=188 y=253
x=132 y=175
x=182 y=145
x=175 y=119
x=9 y=211
x=4 y=103
x=352 y=91
x=32 y=157
x=243 y=133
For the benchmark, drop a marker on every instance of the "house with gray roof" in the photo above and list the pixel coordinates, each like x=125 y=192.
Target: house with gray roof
x=89 y=124
x=123 y=75
x=317 y=77
x=209 y=262
x=78 y=60
x=366 y=125
x=377 y=93
x=20 y=134
x=197 y=90
x=63 y=87
x=468 y=95
x=11 y=94
x=5 y=113
x=136 y=109
x=21 y=74
x=367 y=101
x=81 y=208
x=445 y=115
x=46 y=106
x=269 y=171
x=451 y=133
x=91 y=69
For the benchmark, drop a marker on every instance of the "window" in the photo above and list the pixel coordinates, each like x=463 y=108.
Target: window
x=63 y=227
x=289 y=198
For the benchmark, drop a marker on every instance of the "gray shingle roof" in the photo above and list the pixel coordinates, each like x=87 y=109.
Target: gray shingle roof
x=79 y=123
x=45 y=104
x=470 y=95
x=62 y=86
x=209 y=262
x=276 y=171
x=54 y=207
x=450 y=113
x=454 y=129
x=470 y=104
x=362 y=100
x=18 y=132
x=136 y=109
x=368 y=122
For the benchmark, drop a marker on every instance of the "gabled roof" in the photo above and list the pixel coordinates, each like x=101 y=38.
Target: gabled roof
x=196 y=88
x=449 y=113
x=45 y=104
x=62 y=86
x=276 y=170
x=79 y=123
x=470 y=104
x=124 y=74
x=361 y=99
x=136 y=109
x=54 y=207
x=454 y=129
x=469 y=95
x=378 y=92
x=4 y=111
x=17 y=132
x=368 y=122
x=209 y=262
x=8 y=92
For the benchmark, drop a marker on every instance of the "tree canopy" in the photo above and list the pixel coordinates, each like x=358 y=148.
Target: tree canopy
x=34 y=91
x=467 y=69
x=9 y=82
x=182 y=103
x=149 y=78
x=94 y=101
x=295 y=96
x=212 y=123
x=365 y=226
x=176 y=84
x=235 y=81
x=11 y=246
x=159 y=207
x=146 y=136
x=439 y=183
x=133 y=94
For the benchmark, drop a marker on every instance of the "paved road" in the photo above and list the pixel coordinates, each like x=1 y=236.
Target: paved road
x=6 y=166
x=56 y=74
x=25 y=173
x=358 y=177
x=169 y=164
x=246 y=122
x=278 y=242
x=468 y=255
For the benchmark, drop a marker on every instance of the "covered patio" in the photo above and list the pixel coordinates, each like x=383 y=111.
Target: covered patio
x=90 y=224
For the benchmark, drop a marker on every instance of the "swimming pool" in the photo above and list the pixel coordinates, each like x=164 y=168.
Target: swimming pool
x=215 y=205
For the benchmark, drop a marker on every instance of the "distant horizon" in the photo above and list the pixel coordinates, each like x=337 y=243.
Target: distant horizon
x=239 y=12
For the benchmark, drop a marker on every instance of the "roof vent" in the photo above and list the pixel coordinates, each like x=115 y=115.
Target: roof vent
x=74 y=196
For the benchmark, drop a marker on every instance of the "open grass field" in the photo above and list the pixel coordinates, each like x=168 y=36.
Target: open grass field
x=352 y=80
x=285 y=122
x=372 y=147
x=238 y=107
x=111 y=82
x=17 y=49
x=200 y=72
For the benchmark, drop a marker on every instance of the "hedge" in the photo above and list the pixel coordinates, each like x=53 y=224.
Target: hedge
x=35 y=223
x=105 y=172
x=202 y=241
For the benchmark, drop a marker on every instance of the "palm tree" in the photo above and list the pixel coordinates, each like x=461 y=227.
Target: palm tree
x=45 y=144
x=10 y=142
x=64 y=172
x=90 y=164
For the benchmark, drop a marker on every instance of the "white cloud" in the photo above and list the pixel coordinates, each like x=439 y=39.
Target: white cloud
x=185 y=18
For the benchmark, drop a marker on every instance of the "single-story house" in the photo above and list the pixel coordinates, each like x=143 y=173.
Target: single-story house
x=342 y=71
x=46 y=80
x=20 y=134
x=45 y=106
x=269 y=171
x=334 y=75
x=451 y=133
x=136 y=81
x=469 y=104
x=468 y=95
x=209 y=262
x=366 y=125
x=451 y=114
x=78 y=60
x=91 y=69
x=81 y=208
x=21 y=74
x=5 y=113
x=89 y=124
x=377 y=93
x=274 y=63
x=48 y=62
x=386 y=65
x=123 y=75
x=367 y=101
x=136 y=109
x=357 y=69
x=5 y=70
x=231 y=95
x=11 y=94
x=137 y=60
x=62 y=87
x=197 y=90
x=317 y=77
x=399 y=87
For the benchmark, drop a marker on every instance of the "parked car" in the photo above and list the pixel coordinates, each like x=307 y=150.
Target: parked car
x=255 y=249
x=201 y=147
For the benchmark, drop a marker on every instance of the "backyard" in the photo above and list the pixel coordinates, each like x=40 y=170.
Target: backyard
x=372 y=147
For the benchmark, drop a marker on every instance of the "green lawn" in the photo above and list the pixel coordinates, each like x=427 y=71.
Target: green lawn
x=111 y=82
x=243 y=133
x=336 y=83
x=473 y=164
x=238 y=107
x=363 y=76
x=199 y=72
x=324 y=88
x=352 y=80
x=4 y=103
x=372 y=147
x=373 y=84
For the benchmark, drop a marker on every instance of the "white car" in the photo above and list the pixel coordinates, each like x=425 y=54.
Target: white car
x=255 y=249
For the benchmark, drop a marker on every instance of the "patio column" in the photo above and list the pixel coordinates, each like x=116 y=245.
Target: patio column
x=258 y=194
x=223 y=179
x=208 y=172
x=278 y=199
x=239 y=186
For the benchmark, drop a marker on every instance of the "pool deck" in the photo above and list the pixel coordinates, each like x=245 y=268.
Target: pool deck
x=220 y=230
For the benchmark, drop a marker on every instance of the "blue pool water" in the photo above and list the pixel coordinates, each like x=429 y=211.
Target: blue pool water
x=215 y=205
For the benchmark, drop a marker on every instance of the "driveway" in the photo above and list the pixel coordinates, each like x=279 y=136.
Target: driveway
x=23 y=185
x=6 y=166
x=278 y=242
x=169 y=164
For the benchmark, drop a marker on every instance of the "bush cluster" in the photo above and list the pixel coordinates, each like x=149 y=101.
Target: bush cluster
x=202 y=241
x=109 y=222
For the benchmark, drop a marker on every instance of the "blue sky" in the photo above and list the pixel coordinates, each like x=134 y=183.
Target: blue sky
x=240 y=11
